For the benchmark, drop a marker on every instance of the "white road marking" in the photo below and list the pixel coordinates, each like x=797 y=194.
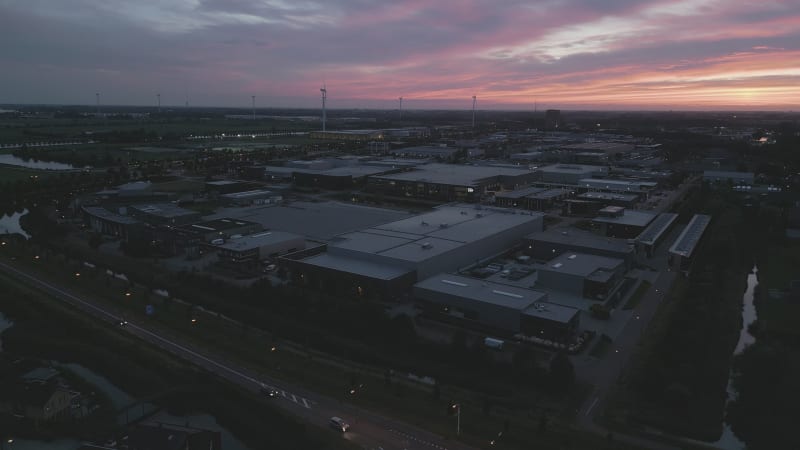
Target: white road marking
x=594 y=402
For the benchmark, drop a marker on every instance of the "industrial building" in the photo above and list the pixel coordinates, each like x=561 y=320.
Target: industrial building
x=451 y=182
x=224 y=228
x=606 y=148
x=255 y=247
x=327 y=173
x=616 y=221
x=442 y=240
x=614 y=185
x=531 y=198
x=546 y=245
x=496 y=307
x=428 y=151
x=682 y=251
x=218 y=187
x=163 y=214
x=590 y=276
x=103 y=221
x=609 y=198
x=569 y=173
x=655 y=233
x=254 y=197
x=728 y=179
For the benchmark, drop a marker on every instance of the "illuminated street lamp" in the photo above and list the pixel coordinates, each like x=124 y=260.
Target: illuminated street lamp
x=455 y=408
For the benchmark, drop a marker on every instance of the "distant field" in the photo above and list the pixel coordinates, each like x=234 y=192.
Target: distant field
x=179 y=186
x=12 y=174
x=27 y=130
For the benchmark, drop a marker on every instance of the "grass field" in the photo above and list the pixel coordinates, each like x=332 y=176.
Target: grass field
x=12 y=174
x=637 y=296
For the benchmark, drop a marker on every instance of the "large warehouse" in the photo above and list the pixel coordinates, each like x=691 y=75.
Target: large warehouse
x=682 y=251
x=589 y=276
x=446 y=239
x=546 y=245
x=252 y=248
x=496 y=307
x=450 y=182
x=569 y=173
x=616 y=221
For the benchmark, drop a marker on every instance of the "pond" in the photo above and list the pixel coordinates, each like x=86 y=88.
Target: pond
x=12 y=160
x=10 y=224
x=728 y=440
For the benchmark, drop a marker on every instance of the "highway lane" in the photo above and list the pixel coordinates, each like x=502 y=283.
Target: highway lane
x=369 y=430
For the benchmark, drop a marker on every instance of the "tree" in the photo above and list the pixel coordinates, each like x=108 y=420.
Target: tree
x=562 y=372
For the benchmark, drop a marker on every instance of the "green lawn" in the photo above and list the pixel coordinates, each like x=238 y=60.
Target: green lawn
x=12 y=174
x=637 y=296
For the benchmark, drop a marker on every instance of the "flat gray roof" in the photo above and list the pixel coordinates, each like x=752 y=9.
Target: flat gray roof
x=727 y=174
x=519 y=193
x=163 y=210
x=105 y=214
x=688 y=239
x=581 y=239
x=601 y=147
x=423 y=236
x=454 y=174
x=547 y=194
x=551 y=311
x=319 y=221
x=261 y=239
x=608 y=196
x=656 y=228
x=356 y=266
x=630 y=217
x=610 y=183
x=225 y=223
x=580 y=264
x=483 y=291
x=572 y=169
x=246 y=194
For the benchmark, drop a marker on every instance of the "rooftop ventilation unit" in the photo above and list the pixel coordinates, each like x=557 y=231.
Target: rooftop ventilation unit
x=572 y=256
x=427 y=245
x=557 y=265
x=455 y=283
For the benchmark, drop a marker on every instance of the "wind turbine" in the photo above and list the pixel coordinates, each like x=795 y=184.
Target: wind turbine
x=97 y=101
x=158 y=97
x=401 y=108
x=254 y=107
x=324 y=92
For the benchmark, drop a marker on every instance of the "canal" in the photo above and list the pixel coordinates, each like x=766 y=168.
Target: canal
x=728 y=440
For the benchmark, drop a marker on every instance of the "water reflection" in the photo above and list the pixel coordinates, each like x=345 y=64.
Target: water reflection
x=12 y=160
x=728 y=440
x=9 y=224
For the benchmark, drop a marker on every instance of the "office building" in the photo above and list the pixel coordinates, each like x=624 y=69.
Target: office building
x=616 y=221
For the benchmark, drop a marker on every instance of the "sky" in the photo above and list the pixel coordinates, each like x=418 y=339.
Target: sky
x=510 y=54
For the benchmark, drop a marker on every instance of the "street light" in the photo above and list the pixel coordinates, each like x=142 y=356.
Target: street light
x=455 y=408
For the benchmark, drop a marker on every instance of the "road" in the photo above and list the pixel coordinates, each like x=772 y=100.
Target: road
x=368 y=430
x=603 y=374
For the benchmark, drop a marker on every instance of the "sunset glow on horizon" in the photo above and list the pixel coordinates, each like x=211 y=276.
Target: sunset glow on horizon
x=568 y=54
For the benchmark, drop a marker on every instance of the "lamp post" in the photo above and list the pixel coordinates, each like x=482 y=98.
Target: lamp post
x=457 y=408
